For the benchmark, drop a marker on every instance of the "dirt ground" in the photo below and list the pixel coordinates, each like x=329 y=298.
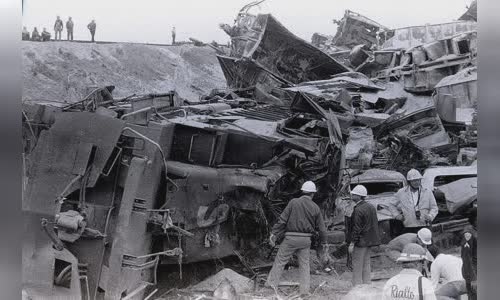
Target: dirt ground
x=63 y=71
x=333 y=286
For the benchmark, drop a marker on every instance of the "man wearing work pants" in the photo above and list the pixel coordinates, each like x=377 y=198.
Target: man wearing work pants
x=298 y=222
x=364 y=236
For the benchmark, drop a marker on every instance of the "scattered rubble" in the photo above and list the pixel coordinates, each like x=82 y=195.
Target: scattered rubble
x=241 y=284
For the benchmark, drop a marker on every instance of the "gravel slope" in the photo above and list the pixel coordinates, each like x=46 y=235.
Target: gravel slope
x=62 y=71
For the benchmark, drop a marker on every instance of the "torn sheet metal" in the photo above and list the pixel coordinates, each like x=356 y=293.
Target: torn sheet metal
x=360 y=139
x=378 y=175
x=355 y=29
x=64 y=152
x=471 y=13
x=371 y=119
x=348 y=80
x=275 y=49
x=424 y=66
x=244 y=73
x=456 y=96
x=423 y=127
x=404 y=38
x=459 y=193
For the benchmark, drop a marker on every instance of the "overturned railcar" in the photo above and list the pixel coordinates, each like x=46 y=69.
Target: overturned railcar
x=110 y=196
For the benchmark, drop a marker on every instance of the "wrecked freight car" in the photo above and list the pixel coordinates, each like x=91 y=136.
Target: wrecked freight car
x=407 y=37
x=114 y=195
x=265 y=55
x=355 y=29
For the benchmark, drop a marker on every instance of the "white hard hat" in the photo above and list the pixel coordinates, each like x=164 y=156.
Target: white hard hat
x=413 y=175
x=412 y=252
x=359 y=190
x=425 y=235
x=309 y=187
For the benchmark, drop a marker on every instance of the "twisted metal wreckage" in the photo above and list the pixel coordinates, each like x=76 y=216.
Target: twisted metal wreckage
x=115 y=187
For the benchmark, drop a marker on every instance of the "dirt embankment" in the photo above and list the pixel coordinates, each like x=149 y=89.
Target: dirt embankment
x=63 y=71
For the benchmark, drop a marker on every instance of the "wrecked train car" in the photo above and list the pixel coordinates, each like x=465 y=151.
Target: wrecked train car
x=109 y=197
x=264 y=53
x=455 y=96
x=407 y=37
x=422 y=67
x=355 y=29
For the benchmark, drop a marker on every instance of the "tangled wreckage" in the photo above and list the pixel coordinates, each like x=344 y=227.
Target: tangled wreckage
x=115 y=187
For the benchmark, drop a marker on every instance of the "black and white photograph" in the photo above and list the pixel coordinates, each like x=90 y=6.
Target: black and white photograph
x=249 y=150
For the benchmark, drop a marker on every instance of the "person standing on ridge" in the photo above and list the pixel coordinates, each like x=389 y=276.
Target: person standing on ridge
x=92 y=26
x=173 y=35
x=58 y=27
x=69 y=29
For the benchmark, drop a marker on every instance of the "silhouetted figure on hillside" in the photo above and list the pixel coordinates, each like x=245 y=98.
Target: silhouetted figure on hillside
x=35 y=35
x=25 y=34
x=92 y=26
x=45 y=35
x=69 y=29
x=58 y=27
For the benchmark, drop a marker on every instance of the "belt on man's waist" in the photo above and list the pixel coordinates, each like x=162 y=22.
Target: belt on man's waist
x=291 y=233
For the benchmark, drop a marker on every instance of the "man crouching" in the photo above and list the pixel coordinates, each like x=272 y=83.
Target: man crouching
x=300 y=219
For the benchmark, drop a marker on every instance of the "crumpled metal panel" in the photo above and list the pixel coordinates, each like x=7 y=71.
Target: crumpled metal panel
x=275 y=50
x=404 y=38
x=355 y=29
x=379 y=175
x=459 y=193
x=55 y=160
x=423 y=127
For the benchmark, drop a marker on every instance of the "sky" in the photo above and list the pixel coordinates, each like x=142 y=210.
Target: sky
x=151 y=21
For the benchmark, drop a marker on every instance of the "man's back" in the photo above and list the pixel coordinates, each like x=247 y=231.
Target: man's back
x=405 y=286
x=446 y=266
x=399 y=242
x=303 y=215
x=300 y=215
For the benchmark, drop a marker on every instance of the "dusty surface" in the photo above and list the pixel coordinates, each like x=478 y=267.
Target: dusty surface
x=334 y=285
x=62 y=71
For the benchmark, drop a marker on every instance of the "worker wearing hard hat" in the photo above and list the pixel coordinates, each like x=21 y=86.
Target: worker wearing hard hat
x=423 y=238
x=297 y=223
x=414 y=204
x=410 y=283
x=364 y=235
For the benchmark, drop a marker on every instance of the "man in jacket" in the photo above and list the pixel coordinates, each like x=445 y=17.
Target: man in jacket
x=92 y=26
x=364 y=235
x=25 y=34
x=414 y=205
x=173 y=35
x=58 y=27
x=69 y=29
x=409 y=283
x=298 y=222
x=469 y=259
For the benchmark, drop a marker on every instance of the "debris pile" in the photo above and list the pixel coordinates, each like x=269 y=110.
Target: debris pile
x=120 y=185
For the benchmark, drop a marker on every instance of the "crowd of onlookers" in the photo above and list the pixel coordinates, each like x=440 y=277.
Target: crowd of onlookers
x=58 y=28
